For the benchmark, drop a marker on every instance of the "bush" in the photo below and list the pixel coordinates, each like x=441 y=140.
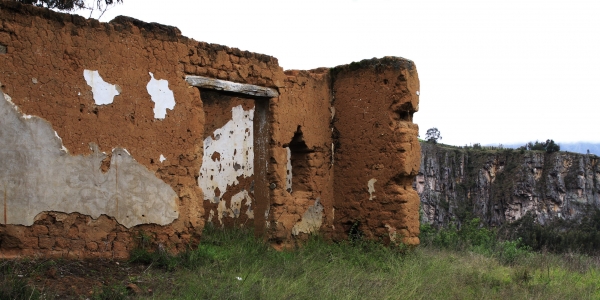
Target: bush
x=549 y=146
x=473 y=237
x=559 y=236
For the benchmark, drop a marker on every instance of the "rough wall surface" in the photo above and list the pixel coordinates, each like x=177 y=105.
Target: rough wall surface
x=227 y=172
x=43 y=72
x=40 y=175
x=376 y=149
x=301 y=157
x=501 y=186
x=104 y=142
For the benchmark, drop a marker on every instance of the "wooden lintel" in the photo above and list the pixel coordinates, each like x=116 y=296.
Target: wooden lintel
x=230 y=86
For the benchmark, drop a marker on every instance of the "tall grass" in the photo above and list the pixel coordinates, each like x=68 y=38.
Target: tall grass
x=12 y=283
x=472 y=237
x=231 y=264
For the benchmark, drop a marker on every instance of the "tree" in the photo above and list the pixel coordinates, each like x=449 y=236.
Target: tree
x=69 y=5
x=549 y=146
x=433 y=135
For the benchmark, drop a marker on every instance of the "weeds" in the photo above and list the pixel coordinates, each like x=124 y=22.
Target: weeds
x=13 y=285
x=469 y=262
x=110 y=292
x=465 y=263
x=472 y=237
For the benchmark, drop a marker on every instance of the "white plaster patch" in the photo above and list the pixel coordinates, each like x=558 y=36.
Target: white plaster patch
x=130 y=193
x=236 y=204
x=288 y=176
x=371 y=186
x=418 y=93
x=162 y=158
x=63 y=148
x=228 y=155
x=311 y=220
x=250 y=211
x=211 y=215
x=161 y=95
x=235 y=207
x=392 y=233
x=221 y=211
x=104 y=92
x=332 y=152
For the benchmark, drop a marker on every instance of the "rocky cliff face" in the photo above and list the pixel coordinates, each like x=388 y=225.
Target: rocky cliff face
x=501 y=186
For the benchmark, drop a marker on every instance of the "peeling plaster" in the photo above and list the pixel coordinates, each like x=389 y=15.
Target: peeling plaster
x=288 y=176
x=15 y=107
x=162 y=158
x=236 y=204
x=104 y=92
x=39 y=175
x=231 y=146
x=235 y=207
x=371 y=186
x=161 y=95
x=392 y=233
x=221 y=211
x=211 y=215
x=249 y=212
x=311 y=220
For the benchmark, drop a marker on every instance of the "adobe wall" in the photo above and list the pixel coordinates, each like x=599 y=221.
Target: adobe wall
x=104 y=143
x=301 y=158
x=83 y=200
x=376 y=150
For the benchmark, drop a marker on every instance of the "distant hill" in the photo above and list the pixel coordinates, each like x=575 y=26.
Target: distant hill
x=580 y=147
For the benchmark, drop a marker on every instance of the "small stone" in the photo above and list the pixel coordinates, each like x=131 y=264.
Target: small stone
x=133 y=288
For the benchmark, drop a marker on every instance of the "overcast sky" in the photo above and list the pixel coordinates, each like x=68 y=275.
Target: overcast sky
x=491 y=72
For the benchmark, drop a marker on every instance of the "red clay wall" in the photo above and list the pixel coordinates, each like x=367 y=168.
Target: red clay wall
x=301 y=123
x=361 y=112
x=377 y=153
x=42 y=72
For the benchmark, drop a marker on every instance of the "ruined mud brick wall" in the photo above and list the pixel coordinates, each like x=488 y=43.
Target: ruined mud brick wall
x=92 y=191
x=376 y=150
x=105 y=140
x=301 y=158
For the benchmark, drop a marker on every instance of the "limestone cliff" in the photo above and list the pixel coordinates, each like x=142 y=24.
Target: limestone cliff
x=501 y=186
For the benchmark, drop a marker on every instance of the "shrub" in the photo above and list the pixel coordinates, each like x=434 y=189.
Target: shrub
x=559 y=236
x=549 y=146
x=472 y=236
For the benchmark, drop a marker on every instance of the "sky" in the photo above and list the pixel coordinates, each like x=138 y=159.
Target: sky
x=491 y=71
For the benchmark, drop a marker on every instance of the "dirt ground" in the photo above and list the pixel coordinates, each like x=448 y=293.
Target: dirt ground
x=86 y=279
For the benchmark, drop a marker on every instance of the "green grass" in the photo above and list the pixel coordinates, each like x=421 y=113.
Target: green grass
x=233 y=265
x=466 y=263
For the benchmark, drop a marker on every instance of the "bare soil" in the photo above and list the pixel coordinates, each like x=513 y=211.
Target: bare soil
x=66 y=279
